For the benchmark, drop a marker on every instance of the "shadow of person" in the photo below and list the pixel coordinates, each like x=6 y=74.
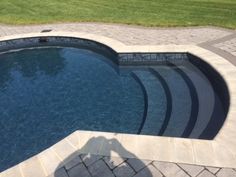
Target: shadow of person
x=114 y=161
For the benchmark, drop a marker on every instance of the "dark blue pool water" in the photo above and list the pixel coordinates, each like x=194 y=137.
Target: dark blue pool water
x=48 y=93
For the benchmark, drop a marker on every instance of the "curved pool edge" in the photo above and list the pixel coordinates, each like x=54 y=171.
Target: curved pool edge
x=181 y=150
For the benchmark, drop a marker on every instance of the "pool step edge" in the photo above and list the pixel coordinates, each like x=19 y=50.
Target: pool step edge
x=153 y=89
x=206 y=98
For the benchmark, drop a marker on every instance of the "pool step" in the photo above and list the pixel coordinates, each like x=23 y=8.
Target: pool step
x=187 y=95
x=181 y=101
x=156 y=102
x=206 y=98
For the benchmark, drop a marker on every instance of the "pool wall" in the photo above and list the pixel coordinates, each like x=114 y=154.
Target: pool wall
x=217 y=152
x=22 y=43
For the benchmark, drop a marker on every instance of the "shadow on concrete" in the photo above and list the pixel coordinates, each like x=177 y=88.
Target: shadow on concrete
x=85 y=163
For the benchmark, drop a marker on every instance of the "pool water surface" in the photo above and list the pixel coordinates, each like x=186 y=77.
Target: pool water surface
x=48 y=93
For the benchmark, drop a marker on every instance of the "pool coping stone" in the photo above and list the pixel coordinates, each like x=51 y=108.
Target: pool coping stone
x=219 y=152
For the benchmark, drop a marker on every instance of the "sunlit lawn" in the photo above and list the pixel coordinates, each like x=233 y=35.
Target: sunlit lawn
x=141 y=12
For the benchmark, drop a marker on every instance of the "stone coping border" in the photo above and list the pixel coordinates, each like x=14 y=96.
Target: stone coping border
x=219 y=152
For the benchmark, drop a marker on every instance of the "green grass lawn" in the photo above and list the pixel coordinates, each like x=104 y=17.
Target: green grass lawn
x=142 y=12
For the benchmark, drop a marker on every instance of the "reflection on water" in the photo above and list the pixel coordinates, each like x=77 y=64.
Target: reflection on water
x=48 y=61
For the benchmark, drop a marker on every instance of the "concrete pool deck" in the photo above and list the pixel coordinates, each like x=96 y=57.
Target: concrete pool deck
x=214 y=45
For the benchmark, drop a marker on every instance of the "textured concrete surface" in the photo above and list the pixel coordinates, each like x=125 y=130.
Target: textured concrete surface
x=128 y=34
x=101 y=167
x=218 y=39
x=228 y=46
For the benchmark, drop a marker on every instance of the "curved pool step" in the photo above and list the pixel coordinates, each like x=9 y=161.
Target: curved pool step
x=145 y=101
x=168 y=100
x=194 y=103
x=206 y=98
x=156 y=102
x=181 y=101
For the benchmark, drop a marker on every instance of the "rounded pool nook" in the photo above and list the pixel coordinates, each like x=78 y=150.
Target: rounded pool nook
x=54 y=85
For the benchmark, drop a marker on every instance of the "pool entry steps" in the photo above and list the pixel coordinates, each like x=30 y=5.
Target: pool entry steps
x=180 y=102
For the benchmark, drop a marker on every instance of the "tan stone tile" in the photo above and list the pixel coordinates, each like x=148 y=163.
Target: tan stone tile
x=127 y=146
x=64 y=150
x=50 y=161
x=147 y=147
x=164 y=149
x=229 y=127
x=143 y=147
x=74 y=139
x=203 y=152
x=83 y=137
x=168 y=48
x=183 y=150
x=224 y=157
x=12 y=172
x=97 y=142
x=32 y=167
x=228 y=142
x=137 y=48
x=204 y=55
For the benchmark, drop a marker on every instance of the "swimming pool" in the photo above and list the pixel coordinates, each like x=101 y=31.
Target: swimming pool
x=49 y=92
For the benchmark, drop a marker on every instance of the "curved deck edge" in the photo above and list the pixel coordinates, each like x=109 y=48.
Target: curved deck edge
x=191 y=151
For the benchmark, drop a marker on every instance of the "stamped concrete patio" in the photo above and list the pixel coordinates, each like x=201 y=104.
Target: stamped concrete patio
x=103 y=166
x=218 y=40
